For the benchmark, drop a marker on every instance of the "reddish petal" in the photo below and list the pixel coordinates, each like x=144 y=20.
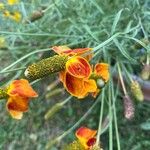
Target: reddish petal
x=86 y=136
x=21 y=88
x=84 y=52
x=85 y=133
x=17 y=103
x=102 y=69
x=75 y=86
x=81 y=50
x=78 y=67
x=62 y=49
x=91 y=142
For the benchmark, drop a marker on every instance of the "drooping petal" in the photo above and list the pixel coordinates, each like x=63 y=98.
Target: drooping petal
x=62 y=49
x=78 y=67
x=16 y=114
x=17 y=103
x=65 y=50
x=81 y=50
x=75 y=86
x=102 y=70
x=84 y=53
x=86 y=136
x=16 y=106
x=21 y=88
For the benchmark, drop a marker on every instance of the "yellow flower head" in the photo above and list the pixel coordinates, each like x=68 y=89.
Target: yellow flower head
x=6 y=13
x=12 y=2
x=16 y=16
x=2 y=6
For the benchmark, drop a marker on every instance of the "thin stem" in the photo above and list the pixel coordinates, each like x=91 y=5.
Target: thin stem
x=40 y=34
x=127 y=73
x=121 y=79
x=13 y=70
x=110 y=119
x=66 y=100
x=48 y=8
x=57 y=139
x=148 y=59
x=115 y=116
x=100 y=119
x=24 y=57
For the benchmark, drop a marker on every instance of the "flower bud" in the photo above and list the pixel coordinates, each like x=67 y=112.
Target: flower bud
x=75 y=145
x=46 y=67
x=136 y=91
x=3 y=93
x=54 y=92
x=53 y=110
x=2 y=43
x=145 y=74
x=138 y=46
x=36 y=15
x=128 y=107
x=100 y=83
x=96 y=147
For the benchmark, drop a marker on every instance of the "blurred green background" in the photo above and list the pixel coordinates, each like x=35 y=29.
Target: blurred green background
x=77 y=23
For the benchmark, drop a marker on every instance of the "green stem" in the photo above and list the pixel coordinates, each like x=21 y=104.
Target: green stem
x=59 y=138
x=148 y=59
x=24 y=57
x=115 y=116
x=66 y=100
x=100 y=118
x=127 y=73
x=121 y=80
x=40 y=34
x=110 y=119
x=13 y=70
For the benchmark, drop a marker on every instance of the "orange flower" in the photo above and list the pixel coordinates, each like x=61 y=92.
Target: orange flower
x=19 y=92
x=86 y=137
x=75 y=78
x=101 y=73
x=102 y=70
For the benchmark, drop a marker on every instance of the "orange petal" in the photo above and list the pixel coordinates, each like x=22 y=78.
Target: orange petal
x=84 y=53
x=85 y=135
x=75 y=86
x=21 y=88
x=16 y=114
x=62 y=49
x=94 y=94
x=102 y=69
x=17 y=103
x=78 y=67
x=81 y=50
x=62 y=75
x=90 y=85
